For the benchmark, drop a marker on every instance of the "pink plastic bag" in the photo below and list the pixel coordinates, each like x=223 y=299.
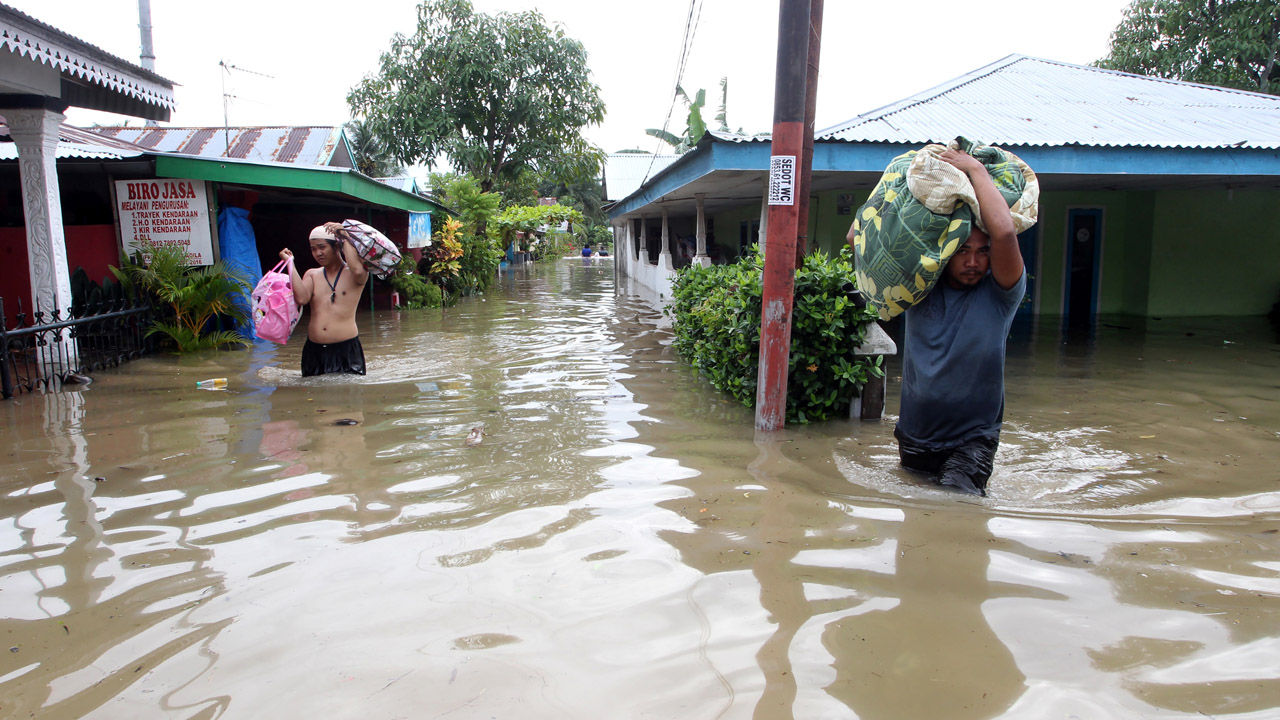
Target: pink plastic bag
x=275 y=312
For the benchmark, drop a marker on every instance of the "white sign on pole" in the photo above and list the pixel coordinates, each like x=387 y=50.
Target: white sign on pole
x=782 y=180
x=165 y=212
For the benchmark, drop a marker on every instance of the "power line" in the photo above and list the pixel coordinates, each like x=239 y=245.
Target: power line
x=690 y=31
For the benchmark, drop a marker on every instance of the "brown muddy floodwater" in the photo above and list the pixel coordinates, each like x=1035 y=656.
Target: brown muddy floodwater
x=622 y=545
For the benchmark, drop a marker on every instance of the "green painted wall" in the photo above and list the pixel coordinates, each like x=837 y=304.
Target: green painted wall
x=1137 y=232
x=729 y=224
x=1124 y=256
x=1163 y=254
x=830 y=226
x=1214 y=253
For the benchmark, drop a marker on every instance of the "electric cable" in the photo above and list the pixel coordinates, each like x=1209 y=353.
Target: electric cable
x=691 y=21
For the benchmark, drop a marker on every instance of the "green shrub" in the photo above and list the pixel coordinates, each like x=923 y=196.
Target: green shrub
x=189 y=298
x=480 y=261
x=415 y=291
x=716 y=319
x=554 y=246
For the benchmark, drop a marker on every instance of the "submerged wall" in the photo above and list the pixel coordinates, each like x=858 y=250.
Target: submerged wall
x=1215 y=253
x=1160 y=253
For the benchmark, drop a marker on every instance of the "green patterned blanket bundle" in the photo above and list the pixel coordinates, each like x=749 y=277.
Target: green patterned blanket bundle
x=922 y=210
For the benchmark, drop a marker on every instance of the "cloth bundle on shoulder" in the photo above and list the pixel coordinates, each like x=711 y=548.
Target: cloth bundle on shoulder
x=921 y=211
x=379 y=255
x=275 y=312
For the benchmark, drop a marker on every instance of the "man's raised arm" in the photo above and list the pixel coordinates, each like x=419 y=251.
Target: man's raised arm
x=1006 y=259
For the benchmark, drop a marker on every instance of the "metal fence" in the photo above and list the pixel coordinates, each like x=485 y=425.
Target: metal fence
x=45 y=350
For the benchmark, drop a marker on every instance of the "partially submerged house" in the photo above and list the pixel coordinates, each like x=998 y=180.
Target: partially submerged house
x=77 y=197
x=1157 y=195
x=43 y=71
x=279 y=201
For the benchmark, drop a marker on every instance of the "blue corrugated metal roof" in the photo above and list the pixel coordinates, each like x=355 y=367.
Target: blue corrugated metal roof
x=407 y=183
x=624 y=172
x=1027 y=101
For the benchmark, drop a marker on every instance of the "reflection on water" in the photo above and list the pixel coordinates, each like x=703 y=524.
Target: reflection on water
x=621 y=543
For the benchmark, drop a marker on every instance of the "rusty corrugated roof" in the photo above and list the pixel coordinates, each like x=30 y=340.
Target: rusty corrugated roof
x=307 y=145
x=76 y=143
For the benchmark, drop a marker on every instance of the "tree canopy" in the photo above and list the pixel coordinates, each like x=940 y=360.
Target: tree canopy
x=1230 y=43
x=370 y=156
x=526 y=219
x=501 y=96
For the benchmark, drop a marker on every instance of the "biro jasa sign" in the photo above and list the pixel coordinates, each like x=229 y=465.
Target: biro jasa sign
x=165 y=212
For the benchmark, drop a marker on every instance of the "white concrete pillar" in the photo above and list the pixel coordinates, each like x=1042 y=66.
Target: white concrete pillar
x=702 y=258
x=644 y=240
x=666 y=236
x=702 y=225
x=764 y=215
x=664 y=254
x=624 y=255
x=35 y=133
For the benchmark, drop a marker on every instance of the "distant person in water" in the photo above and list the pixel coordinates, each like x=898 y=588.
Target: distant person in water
x=332 y=291
x=586 y=250
x=953 y=348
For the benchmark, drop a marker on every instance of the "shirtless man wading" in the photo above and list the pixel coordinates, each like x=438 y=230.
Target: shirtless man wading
x=332 y=291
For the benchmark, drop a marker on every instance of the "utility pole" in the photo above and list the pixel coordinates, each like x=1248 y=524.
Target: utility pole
x=810 y=120
x=782 y=237
x=148 y=54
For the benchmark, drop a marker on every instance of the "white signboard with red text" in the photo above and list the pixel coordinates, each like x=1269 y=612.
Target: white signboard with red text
x=165 y=212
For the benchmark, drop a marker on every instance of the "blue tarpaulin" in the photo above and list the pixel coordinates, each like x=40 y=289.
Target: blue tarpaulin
x=239 y=249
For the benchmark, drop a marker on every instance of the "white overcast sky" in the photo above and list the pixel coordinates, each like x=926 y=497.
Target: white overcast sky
x=872 y=53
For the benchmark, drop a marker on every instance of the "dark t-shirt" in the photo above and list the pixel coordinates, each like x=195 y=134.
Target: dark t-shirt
x=953 y=363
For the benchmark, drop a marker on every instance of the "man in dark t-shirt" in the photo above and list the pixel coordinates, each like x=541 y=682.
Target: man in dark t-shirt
x=954 y=345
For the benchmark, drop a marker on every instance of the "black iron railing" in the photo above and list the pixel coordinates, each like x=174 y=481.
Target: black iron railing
x=45 y=350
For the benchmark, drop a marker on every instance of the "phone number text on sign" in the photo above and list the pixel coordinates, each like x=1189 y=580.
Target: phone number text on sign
x=782 y=180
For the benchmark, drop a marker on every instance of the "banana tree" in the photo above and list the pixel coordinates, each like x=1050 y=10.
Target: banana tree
x=695 y=126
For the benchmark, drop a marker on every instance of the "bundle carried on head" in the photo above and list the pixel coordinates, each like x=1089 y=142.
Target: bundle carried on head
x=379 y=255
x=921 y=211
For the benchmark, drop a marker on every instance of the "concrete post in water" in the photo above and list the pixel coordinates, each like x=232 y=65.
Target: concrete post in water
x=35 y=133
x=786 y=156
x=701 y=258
x=869 y=405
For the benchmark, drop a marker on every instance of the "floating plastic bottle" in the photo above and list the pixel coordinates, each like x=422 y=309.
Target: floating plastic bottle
x=211 y=383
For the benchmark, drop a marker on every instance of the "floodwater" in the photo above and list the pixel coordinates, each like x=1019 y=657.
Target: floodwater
x=621 y=544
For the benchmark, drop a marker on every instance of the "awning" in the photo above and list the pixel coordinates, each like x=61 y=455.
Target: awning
x=283 y=175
